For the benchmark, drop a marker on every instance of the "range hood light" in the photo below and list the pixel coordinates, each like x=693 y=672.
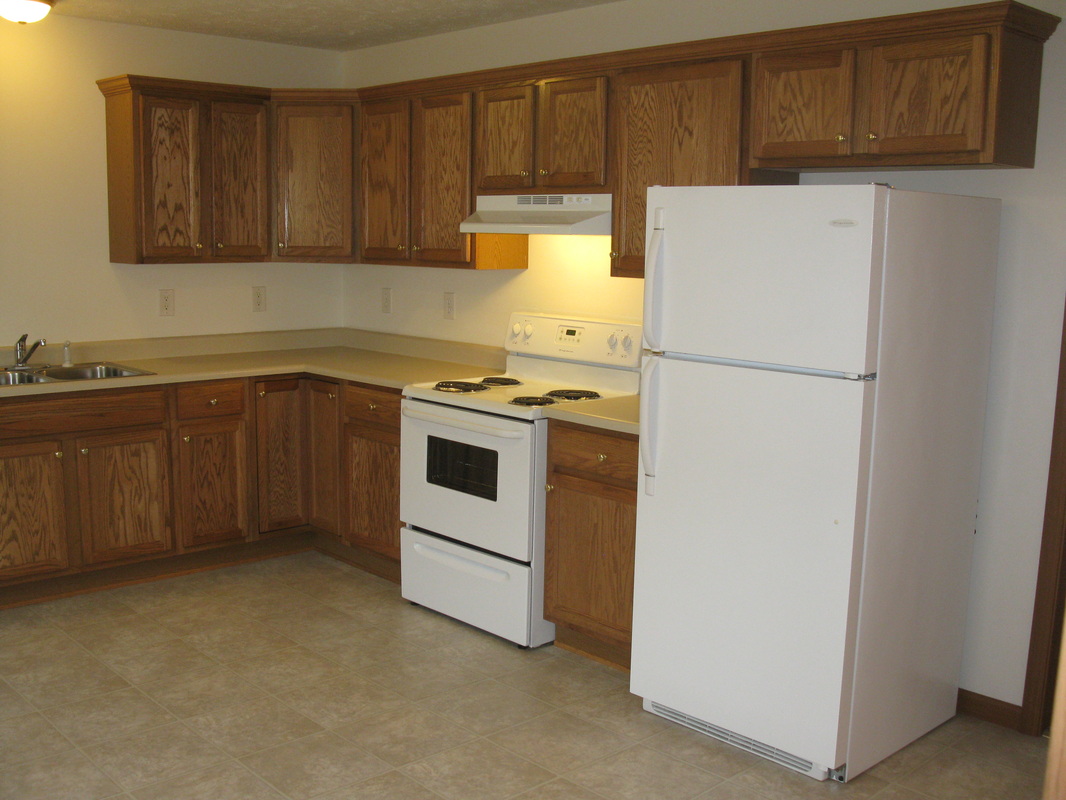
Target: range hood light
x=25 y=10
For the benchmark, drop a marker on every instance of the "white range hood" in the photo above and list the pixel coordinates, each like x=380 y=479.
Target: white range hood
x=581 y=214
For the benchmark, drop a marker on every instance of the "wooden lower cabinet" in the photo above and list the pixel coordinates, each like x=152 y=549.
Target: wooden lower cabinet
x=372 y=469
x=212 y=482
x=590 y=537
x=124 y=495
x=279 y=419
x=324 y=454
x=33 y=520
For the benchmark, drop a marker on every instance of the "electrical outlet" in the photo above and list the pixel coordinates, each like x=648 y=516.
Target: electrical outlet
x=166 y=302
x=259 y=298
x=386 y=300
x=449 y=305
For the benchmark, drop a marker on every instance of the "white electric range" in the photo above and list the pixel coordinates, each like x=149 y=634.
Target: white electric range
x=473 y=458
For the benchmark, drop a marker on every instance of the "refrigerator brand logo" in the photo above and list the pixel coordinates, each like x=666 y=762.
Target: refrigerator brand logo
x=843 y=223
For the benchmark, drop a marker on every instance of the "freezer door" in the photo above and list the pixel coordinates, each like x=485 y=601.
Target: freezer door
x=747 y=552
x=776 y=274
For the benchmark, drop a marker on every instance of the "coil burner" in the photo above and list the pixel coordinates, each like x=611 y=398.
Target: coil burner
x=459 y=387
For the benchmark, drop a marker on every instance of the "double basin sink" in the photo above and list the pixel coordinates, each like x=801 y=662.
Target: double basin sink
x=76 y=372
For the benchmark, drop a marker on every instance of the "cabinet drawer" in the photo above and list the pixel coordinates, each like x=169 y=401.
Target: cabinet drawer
x=600 y=455
x=81 y=411
x=378 y=406
x=214 y=399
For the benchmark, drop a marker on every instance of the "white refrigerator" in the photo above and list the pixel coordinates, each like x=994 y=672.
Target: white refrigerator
x=812 y=412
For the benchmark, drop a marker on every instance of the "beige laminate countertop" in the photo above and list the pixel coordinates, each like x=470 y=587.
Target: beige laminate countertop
x=344 y=363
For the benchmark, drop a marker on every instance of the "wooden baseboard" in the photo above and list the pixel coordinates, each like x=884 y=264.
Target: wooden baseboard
x=989 y=709
x=613 y=655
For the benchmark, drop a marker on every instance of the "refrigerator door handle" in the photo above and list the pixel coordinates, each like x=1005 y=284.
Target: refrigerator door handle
x=649 y=402
x=653 y=284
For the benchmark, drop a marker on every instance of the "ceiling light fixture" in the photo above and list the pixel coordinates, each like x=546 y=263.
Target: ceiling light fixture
x=25 y=10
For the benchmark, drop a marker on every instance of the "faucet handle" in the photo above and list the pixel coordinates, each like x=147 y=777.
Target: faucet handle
x=22 y=338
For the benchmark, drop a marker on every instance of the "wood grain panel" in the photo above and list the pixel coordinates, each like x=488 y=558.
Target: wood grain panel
x=441 y=164
x=803 y=104
x=210 y=399
x=81 y=411
x=596 y=455
x=572 y=132
x=124 y=495
x=33 y=525
x=280 y=453
x=324 y=454
x=385 y=154
x=171 y=178
x=676 y=126
x=315 y=181
x=374 y=405
x=240 y=198
x=504 y=157
x=212 y=482
x=929 y=97
x=372 y=488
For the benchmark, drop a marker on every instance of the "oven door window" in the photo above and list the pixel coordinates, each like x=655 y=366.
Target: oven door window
x=462 y=467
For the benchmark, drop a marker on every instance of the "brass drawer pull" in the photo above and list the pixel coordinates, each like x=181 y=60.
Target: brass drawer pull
x=212 y=402
x=841 y=137
x=871 y=136
x=372 y=406
x=85 y=451
x=331 y=396
x=262 y=394
x=549 y=487
x=601 y=457
x=59 y=454
x=186 y=438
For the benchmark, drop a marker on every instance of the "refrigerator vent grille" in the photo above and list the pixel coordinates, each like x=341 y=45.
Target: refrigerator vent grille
x=743 y=742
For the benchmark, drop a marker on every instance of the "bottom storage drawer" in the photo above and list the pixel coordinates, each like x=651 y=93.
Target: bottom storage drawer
x=483 y=590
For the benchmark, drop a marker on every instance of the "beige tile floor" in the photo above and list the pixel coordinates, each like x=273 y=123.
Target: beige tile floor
x=301 y=677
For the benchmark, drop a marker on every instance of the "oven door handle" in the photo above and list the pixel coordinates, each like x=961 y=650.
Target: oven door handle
x=462 y=564
x=475 y=427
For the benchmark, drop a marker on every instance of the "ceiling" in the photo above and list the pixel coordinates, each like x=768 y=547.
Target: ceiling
x=328 y=24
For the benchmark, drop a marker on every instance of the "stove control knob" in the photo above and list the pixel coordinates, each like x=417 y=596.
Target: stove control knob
x=627 y=342
x=612 y=340
x=528 y=330
x=516 y=329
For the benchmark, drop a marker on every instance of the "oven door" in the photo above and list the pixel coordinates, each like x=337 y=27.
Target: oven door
x=470 y=476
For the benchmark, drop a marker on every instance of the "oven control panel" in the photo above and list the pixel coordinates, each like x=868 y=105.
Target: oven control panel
x=592 y=341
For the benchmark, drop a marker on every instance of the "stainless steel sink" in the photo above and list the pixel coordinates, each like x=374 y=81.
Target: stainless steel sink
x=91 y=371
x=17 y=378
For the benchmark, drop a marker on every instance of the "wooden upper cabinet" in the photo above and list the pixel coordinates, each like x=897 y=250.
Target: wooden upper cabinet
x=240 y=190
x=674 y=126
x=553 y=134
x=803 y=104
x=385 y=168
x=314 y=180
x=967 y=99
x=440 y=170
x=928 y=97
x=187 y=168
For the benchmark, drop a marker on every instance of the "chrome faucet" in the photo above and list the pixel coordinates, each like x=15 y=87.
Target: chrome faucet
x=22 y=355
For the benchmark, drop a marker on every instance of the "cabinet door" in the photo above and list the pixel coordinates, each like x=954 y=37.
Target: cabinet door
x=212 y=483
x=324 y=454
x=677 y=126
x=803 y=104
x=124 y=495
x=372 y=488
x=572 y=132
x=440 y=191
x=505 y=138
x=239 y=191
x=279 y=438
x=33 y=526
x=385 y=137
x=315 y=181
x=928 y=97
x=171 y=214
x=590 y=541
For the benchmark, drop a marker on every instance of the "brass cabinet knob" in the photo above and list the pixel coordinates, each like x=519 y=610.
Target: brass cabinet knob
x=199 y=245
x=548 y=487
x=401 y=247
x=212 y=402
x=543 y=172
x=59 y=454
x=281 y=245
x=262 y=394
x=613 y=254
x=841 y=137
x=524 y=173
x=415 y=248
x=219 y=245
x=872 y=136
x=85 y=451
x=331 y=396
x=601 y=457
x=186 y=438
x=372 y=406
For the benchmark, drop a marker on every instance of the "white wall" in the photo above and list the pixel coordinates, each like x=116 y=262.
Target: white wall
x=55 y=277
x=1029 y=307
